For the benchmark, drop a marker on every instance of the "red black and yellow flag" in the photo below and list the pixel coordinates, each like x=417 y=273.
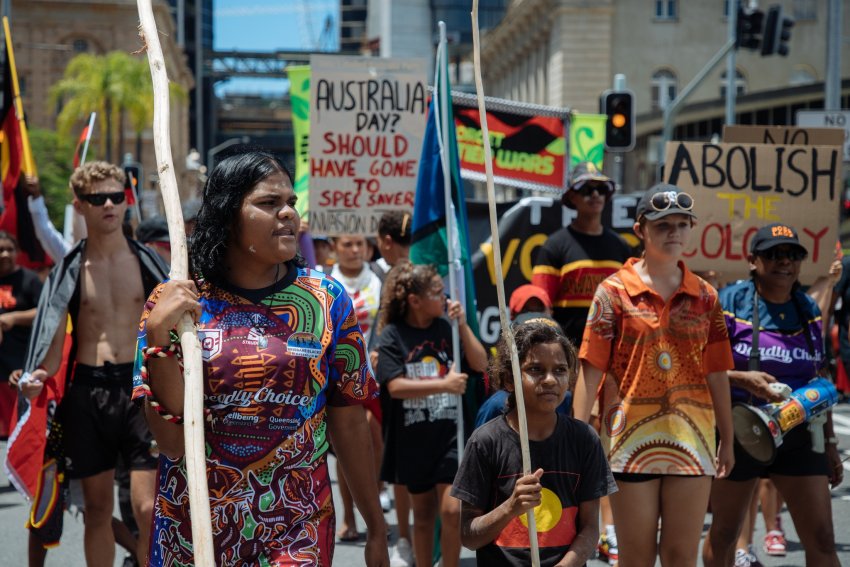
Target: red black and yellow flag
x=16 y=161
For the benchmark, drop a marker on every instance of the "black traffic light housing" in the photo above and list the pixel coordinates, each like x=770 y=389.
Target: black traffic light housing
x=619 y=106
x=749 y=29
x=133 y=181
x=777 y=32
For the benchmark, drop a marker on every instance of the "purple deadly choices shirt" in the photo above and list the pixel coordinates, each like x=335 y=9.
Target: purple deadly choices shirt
x=784 y=350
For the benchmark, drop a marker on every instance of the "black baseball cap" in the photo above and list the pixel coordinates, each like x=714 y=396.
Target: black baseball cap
x=773 y=235
x=153 y=229
x=650 y=207
x=583 y=173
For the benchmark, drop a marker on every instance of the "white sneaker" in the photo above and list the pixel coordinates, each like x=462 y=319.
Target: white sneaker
x=384 y=497
x=402 y=555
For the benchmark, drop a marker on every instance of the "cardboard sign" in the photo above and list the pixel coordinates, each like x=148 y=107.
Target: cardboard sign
x=738 y=188
x=787 y=135
x=367 y=121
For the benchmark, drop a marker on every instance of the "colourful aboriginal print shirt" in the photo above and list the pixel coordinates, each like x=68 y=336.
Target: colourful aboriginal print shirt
x=660 y=420
x=270 y=370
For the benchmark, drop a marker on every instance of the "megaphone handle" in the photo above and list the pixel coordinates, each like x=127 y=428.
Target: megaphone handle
x=816 y=430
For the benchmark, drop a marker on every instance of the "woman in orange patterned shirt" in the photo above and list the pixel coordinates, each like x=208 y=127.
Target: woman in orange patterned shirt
x=656 y=334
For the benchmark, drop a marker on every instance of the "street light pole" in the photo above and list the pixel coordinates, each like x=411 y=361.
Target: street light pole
x=832 y=94
x=223 y=146
x=731 y=71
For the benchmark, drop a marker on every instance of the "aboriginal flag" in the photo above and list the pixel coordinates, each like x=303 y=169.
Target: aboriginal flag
x=14 y=149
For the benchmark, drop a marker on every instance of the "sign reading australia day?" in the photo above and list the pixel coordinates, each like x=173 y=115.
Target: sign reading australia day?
x=367 y=121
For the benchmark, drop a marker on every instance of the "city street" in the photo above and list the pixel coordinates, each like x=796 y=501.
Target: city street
x=70 y=552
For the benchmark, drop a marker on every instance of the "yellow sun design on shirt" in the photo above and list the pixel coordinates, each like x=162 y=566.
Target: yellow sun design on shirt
x=547 y=514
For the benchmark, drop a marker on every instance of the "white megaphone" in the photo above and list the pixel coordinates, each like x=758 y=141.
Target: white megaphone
x=759 y=430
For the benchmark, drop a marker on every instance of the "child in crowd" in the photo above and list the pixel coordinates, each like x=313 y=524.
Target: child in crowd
x=570 y=474
x=414 y=365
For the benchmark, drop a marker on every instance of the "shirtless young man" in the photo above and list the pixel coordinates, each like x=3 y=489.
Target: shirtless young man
x=110 y=277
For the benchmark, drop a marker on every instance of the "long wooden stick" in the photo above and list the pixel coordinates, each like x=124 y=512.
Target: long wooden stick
x=193 y=409
x=500 y=278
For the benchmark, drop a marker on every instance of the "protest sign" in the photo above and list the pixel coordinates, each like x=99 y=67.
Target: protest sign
x=367 y=121
x=299 y=96
x=829 y=119
x=787 y=135
x=524 y=226
x=738 y=188
x=528 y=142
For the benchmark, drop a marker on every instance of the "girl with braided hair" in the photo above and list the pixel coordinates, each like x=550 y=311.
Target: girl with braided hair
x=414 y=365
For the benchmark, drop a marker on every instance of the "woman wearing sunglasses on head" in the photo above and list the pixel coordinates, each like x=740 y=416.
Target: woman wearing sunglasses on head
x=772 y=312
x=656 y=330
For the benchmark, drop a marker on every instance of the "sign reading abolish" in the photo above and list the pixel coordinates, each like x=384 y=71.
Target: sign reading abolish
x=738 y=188
x=367 y=120
x=528 y=149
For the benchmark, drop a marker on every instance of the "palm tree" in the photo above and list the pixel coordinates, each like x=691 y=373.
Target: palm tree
x=113 y=85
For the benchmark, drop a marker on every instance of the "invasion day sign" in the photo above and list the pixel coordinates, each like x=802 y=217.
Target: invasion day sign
x=740 y=187
x=367 y=121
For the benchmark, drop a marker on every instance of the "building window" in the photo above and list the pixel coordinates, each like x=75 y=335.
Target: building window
x=740 y=84
x=805 y=10
x=666 y=9
x=664 y=88
x=802 y=75
x=80 y=46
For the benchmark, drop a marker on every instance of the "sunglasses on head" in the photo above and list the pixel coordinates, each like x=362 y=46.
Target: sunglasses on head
x=588 y=189
x=667 y=199
x=777 y=254
x=99 y=199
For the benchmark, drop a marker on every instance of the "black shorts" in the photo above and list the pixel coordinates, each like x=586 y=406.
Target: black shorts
x=794 y=457
x=101 y=423
x=636 y=477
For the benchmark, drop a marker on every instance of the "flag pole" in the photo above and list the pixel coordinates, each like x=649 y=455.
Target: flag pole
x=507 y=333
x=90 y=127
x=443 y=98
x=29 y=163
x=193 y=416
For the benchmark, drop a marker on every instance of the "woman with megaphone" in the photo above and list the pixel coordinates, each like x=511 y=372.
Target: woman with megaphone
x=776 y=337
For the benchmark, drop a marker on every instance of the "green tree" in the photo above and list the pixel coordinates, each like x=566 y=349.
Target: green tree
x=54 y=155
x=116 y=86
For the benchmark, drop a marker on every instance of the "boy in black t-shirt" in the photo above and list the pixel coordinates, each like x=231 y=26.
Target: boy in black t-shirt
x=570 y=474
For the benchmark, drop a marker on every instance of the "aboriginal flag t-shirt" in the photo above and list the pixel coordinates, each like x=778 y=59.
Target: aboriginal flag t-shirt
x=271 y=367
x=575 y=470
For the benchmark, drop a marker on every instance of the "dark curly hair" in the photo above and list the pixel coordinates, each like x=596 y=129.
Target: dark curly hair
x=396 y=225
x=403 y=279
x=526 y=336
x=226 y=187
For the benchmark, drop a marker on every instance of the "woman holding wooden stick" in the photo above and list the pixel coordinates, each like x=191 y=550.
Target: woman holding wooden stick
x=285 y=372
x=657 y=331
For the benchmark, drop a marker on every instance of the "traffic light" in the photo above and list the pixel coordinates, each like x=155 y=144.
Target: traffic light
x=133 y=182
x=777 y=32
x=619 y=106
x=749 y=29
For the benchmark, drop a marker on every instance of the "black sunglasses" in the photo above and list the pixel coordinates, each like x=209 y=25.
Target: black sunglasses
x=99 y=199
x=587 y=189
x=667 y=199
x=775 y=254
